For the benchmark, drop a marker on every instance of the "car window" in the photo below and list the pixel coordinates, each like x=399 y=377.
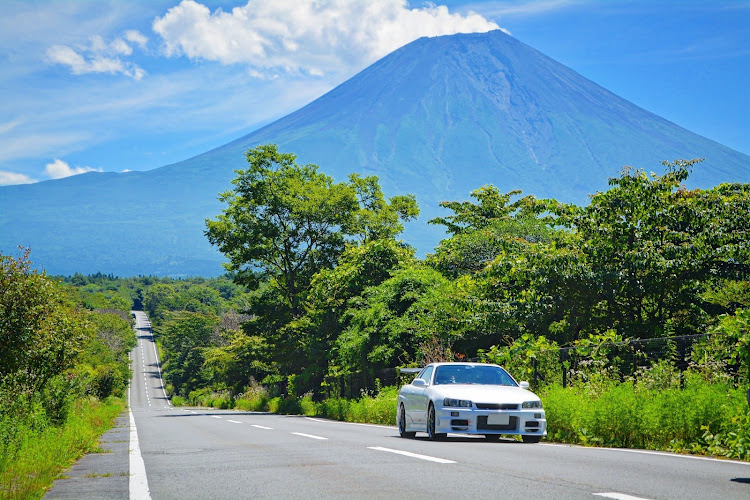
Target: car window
x=472 y=374
x=426 y=374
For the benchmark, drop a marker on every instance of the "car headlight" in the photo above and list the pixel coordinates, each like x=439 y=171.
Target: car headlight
x=457 y=402
x=531 y=404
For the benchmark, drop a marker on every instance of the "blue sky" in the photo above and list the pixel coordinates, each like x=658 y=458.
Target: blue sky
x=115 y=85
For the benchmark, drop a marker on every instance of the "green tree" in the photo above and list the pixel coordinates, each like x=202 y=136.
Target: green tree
x=159 y=298
x=479 y=231
x=283 y=219
x=395 y=320
x=184 y=336
x=378 y=218
x=41 y=332
x=652 y=247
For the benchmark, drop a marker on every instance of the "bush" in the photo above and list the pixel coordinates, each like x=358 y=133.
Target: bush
x=701 y=418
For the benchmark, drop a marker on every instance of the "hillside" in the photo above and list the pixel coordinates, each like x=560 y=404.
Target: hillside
x=438 y=118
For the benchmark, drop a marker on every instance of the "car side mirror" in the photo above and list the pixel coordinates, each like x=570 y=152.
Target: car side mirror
x=419 y=382
x=524 y=384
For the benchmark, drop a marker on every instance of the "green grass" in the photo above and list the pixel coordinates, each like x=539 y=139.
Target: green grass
x=702 y=418
x=42 y=455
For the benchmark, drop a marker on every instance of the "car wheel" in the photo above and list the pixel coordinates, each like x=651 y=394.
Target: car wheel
x=531 y=439
x=434 y=436
x=402 y=424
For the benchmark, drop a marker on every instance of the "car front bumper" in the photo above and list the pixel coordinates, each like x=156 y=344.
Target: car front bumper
x=528 y=422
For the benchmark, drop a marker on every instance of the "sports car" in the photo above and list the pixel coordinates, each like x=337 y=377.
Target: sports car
x=469 y=398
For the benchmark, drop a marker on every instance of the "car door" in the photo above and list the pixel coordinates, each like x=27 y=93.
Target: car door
x=416 y=408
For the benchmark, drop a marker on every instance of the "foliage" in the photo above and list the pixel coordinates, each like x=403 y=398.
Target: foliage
x=651 y=247
x=183 y=336
x=700 y=418
x=527 y=358
x=385 y=331
x=283 y=219
x=729 y=343
x=104 y=366
x=41 y=331
x=43 y=453
x=377 y=218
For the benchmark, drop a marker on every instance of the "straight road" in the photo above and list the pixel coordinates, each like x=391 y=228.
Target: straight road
x=206 y=453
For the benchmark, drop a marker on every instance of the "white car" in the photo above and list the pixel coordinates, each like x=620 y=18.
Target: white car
x=469 y=398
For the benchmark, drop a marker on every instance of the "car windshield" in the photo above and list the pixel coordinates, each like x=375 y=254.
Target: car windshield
x=472 y=374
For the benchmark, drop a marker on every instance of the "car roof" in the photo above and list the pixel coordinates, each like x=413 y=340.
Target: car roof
x=460 y=363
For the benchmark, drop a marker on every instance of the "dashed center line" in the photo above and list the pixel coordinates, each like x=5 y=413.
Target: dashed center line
x=262 y=427
x=309 y=436
x=215 y=416
x=618 y=496
x=412 y=455
x=234 y=421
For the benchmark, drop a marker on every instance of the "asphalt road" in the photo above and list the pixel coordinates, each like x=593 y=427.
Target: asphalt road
x=206 y=453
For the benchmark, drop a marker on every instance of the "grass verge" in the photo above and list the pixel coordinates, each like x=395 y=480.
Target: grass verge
x=42 y=455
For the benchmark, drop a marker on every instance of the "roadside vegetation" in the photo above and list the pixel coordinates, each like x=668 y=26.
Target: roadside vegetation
x=63 y=371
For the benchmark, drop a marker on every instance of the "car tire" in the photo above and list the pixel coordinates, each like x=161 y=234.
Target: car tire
x=531 y=439
x=402 y=424
x=434 y=436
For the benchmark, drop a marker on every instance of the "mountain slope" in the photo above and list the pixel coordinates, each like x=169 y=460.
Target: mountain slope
x=438 y=118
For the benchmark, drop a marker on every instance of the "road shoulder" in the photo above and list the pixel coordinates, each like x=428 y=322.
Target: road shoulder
x=99 y=475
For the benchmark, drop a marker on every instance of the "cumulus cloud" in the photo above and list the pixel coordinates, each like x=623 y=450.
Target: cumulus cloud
x=59 y=169
x=136 y=37
x=12 y=178
x=312 y=37
x=100 y=56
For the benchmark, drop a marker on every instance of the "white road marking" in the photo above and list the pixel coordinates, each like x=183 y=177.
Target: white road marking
x=138 y=484
x=412 y=455
x=673 y=455
x=347 y=423
x=215 y=416
x=234 y=421
x=308 y=436
x=618 y=496
x=262 y=427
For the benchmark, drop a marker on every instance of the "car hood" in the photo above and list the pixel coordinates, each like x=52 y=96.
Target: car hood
x=485 y=393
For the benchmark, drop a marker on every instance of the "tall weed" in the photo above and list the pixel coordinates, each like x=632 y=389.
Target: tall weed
x=41 y=454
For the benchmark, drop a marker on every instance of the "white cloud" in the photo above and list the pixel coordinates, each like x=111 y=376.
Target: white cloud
x=12 y=178
x=99 y=56
x=59 y=169
x=136 y=37
x=305 y=36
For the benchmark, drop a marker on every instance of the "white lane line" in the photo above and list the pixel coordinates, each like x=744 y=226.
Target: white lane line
x=215 y=416
x=158 y=367
x=138 y=484
x=308 y=436
x=673 y=455
x=618 y=496
x=412 y=455
x=234 y=421
x=347 y=423
x=262 y=427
